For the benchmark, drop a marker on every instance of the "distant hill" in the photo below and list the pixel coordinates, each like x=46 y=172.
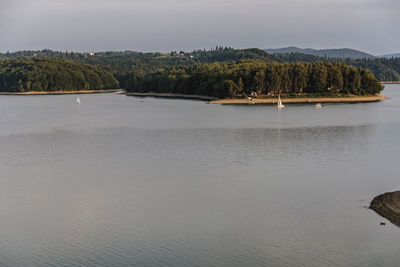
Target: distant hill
x=124 y=61
x=390 y=55
x=331 y=53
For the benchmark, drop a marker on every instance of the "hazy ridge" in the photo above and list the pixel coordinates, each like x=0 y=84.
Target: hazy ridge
x=332 y=53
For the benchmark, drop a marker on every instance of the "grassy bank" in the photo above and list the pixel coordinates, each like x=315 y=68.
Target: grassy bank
x=392 y=82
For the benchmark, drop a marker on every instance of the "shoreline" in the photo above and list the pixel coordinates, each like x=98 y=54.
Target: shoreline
x=387 y=205
x=63 y=92
x=169 y=95
x=391 y=82
x=350 y=99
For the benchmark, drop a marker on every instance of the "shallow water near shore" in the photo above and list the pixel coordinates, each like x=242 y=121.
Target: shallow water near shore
x=121 y=181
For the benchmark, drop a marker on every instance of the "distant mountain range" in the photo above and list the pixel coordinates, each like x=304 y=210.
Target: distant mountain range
x=331 y=53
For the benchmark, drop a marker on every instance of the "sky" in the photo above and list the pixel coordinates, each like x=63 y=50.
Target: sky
x=174 y=25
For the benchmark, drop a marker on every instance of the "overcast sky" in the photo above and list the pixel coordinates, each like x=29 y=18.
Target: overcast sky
x=169 y=25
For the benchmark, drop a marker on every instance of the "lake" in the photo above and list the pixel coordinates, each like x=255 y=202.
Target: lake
x=121 y=181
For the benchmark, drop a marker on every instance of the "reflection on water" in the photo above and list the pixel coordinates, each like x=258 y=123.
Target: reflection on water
x=118 y=182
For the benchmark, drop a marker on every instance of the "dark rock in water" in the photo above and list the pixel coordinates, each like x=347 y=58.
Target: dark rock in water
x=388 y=205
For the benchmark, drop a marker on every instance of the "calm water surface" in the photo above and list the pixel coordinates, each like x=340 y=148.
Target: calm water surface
x=117 y=182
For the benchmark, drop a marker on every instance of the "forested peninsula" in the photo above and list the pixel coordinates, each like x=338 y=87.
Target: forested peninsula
x=218 y=73
x=260 y=78
x=52 y=74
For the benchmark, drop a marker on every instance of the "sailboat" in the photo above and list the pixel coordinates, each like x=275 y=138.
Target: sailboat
x=78 y=101
x=319 y=105
x=280 y=105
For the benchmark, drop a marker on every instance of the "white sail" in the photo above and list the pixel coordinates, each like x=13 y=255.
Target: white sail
x=280 y=105
x=78 y=101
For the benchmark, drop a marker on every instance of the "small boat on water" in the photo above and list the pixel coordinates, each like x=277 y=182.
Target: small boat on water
x=319 y=105
x=78 y=100
x=280 y=105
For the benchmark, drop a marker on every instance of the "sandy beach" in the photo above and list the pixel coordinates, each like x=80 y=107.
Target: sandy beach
x=355 y=99
x=391 y=82
x=61 y=92
x=388 y=205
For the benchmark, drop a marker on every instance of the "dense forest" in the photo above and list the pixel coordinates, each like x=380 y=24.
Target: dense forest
x=384 y=69
x=50 y=74
x=121 y=64
x=264 y=78
x=97 y=70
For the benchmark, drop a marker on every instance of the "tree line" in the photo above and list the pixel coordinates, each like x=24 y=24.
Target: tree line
x=52 y=74
x=133 y=69
x=384 y=69
x=123 y=63
x=245 y=77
